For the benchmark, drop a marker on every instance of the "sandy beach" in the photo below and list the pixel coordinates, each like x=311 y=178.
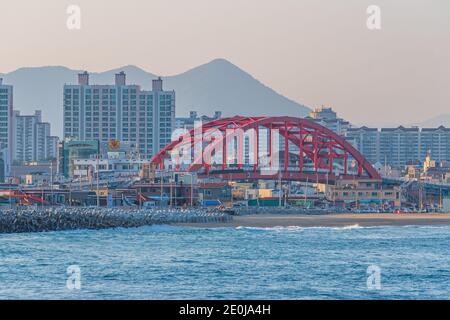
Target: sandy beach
x=331 y=220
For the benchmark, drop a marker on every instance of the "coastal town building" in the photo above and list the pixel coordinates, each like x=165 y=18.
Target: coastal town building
x=72 y=150
x=6 y=124
x=401 y=146
x=329 y=119
x=219 y=192
x=189 y=122
x=115 y=163
x=357 y=192
x=367 y=141
x=32 y=138
x=122 y=112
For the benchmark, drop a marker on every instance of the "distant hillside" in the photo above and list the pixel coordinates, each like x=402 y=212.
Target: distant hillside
x=217 y=85
x=441 y=120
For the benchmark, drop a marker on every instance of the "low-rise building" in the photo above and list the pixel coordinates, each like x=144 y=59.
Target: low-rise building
x=114 y=165
x=71 y=150
x=359 y=192
x=220 y=191
x=166 y=193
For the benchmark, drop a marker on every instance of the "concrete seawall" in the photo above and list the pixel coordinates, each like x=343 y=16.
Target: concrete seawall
x=53 y=219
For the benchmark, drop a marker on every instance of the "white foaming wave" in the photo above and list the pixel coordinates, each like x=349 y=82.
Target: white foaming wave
x=299 y=228
x=275 y=228
x=353 y=226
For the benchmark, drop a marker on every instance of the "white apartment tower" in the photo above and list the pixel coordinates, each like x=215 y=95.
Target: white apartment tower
x=32 y=138
x=143 y=119
x=6 y=122
x=400 y=146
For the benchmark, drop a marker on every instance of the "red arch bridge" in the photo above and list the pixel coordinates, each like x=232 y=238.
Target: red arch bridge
x=252 y=148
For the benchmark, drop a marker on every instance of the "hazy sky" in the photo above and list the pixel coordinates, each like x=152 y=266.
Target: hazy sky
x=313 y=51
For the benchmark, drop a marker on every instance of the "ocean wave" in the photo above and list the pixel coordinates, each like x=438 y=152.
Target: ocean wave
x=340 y=228
x=275 y=228
x=301 y=228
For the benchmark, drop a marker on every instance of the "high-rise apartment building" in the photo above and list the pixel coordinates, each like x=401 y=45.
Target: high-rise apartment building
x=52 y=147
x=400 y=146
x=33 y=141
x=143 y=119
x=42 y=140
x=435 y=141
x=367 y=141
x=329 y=119
x=6 y=122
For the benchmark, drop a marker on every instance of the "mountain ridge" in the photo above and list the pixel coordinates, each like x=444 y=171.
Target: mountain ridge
x=216 y=85
x=440 y=120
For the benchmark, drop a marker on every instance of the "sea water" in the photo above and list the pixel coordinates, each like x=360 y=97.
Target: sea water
x=169 y=262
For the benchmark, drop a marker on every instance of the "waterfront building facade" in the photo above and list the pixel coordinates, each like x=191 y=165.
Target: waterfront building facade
x=120 y=112
x=362 y=192
x=71 y=150
x=120 y=166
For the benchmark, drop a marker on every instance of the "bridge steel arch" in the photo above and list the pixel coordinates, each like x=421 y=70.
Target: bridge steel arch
x=316 y=145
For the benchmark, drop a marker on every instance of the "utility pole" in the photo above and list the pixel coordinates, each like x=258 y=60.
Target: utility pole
x=306 y=191
x=420 y=196
x=161 y=184
x=287 y=195
x=279 y=189
x=231 y=190
x=170 y=190
x=98 y=172
x=334 y=192
x=174 y=201
x=130 y=165
x=356 y=192
x=10 y=190
x=192 y=189
x=51 y=180
x=70 y=193
x=317 y=185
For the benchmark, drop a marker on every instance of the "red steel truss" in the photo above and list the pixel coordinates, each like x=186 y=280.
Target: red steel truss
x=320 y=154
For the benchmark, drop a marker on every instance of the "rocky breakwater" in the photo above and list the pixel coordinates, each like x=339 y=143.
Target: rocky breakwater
x=52 y=219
